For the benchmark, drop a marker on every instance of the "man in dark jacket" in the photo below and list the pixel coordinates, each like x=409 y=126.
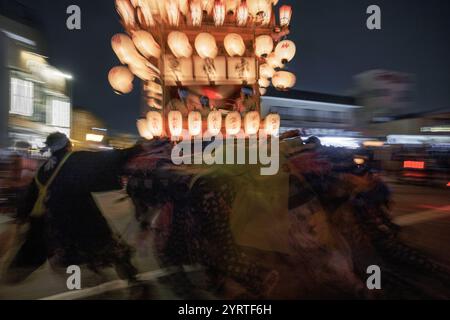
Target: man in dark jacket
x=65 y=225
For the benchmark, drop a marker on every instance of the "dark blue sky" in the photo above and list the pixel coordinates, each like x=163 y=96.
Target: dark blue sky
x=333 y=46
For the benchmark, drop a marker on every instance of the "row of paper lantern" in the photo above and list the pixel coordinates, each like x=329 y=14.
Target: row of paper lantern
x=206 y=47
x=153 y=125
x=136 y=51
x=171 y=10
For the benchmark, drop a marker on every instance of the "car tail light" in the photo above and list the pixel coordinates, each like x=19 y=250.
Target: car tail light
x=448 y=184
x=420 y=165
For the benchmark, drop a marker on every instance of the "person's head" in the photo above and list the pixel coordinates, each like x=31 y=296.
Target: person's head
x=57 y=142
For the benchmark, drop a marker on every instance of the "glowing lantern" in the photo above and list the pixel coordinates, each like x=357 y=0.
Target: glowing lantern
x=242 y=14
x=183 y=6
x=285 y=16
x=146 y=44
x=285 y=51
x=252 y=122
x=173 y=14
x=175 y=123
x=283 y=80
x=214 y=123
x=234 y=44
x=121 y=79
x=262 y=91
x=219 y=13
x=272 y=124
x=144 y=12
x=126 y=12
x=195 y=123
x=266 y=71
x=206 y=46
x=196 y=13
x=233 y=123
x=264 y=83
x=179 y=44
x=260 y=9
x=123 y=47
x=207 y=5
x=273 y=61
x=231 y=6
x=143 y=130
x=153 y=103
x=155 y=123
x=264 y=45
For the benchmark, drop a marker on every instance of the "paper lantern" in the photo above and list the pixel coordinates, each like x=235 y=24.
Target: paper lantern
x=173 y=13
x=219 y=13
x=262 y=91
x=274 y=61
x=264 y=83
x=144 y=13
x=143 y=130
x=285 y=15
x=283 y=80
x=285 y=51
x=121 y=80
x=183 y=6
x=234 y=45
x=252 y=122
x=266 y=71
x=126 y=12
x=143 y=73
x=233 y=123
x=146 y=44
x=242 y=14
x=206 y=46
x=264 y=45
x=175 y=119
x=214 y=122
x=272 y=124
x=179 y=44
x=195 y=123
x=207 y=5
x=258 y=7
x=155 y=123
x=154 y=103
x=261 y=10
x=196 y=13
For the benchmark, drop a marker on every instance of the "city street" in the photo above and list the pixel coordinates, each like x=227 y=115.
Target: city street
x=423 y=213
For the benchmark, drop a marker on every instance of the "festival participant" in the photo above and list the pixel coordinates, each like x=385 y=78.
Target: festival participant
x=59 y=219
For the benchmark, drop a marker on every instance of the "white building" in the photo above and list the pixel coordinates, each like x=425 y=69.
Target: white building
x=315 y=113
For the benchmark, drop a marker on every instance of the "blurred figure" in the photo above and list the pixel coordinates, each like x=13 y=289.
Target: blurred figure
x=59 y=219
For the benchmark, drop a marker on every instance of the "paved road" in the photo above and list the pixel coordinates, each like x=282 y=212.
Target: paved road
x=423 y=212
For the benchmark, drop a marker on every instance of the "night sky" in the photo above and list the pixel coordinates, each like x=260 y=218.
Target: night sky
x=333 y=45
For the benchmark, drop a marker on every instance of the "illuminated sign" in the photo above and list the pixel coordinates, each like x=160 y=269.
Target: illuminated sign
x=419 y=165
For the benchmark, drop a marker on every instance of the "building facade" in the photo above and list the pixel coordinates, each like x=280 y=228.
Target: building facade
x=314 y=113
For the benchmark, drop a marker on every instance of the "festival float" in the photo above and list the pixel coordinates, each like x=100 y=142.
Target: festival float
x=207 y=61
x=309 y=231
